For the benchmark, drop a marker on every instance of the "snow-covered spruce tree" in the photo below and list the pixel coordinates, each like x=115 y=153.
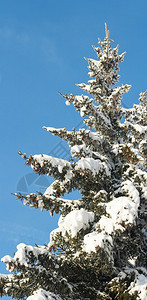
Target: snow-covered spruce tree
x=99 y=249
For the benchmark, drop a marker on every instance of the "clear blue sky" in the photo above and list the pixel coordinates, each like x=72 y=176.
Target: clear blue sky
x=42 y=45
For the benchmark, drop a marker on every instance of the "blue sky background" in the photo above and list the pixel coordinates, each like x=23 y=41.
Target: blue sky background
x=42 y=45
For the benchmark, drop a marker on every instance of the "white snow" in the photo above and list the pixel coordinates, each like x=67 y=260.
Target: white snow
x=132 y=191
x=141 y=129
x=102 y=116
x=94 y=240
x=81 y=98
x=83 y=111
x=122 y=209
x=109 y=225
x=20 y=256
x=117 y=148
x=97 y=63
x=92 y=81
x=91 y=74
x=139 y=285
x=72 y=223
x=50 y=190
x=50 y=129
x=7 y=259
x=85 y=87
x=94 y=165
x=125 y=209
x=77 y=149
x=132 y=261
x=43 y=295
x=94 y=136
x=54 y=161
x=144 y=192
x=142 y=174
x=75 y=221
x=67 y=102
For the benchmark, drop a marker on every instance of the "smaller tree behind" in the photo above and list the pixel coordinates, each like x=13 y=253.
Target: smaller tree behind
x=99 y=249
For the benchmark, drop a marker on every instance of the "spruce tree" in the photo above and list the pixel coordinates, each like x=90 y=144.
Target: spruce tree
x=99 y=249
